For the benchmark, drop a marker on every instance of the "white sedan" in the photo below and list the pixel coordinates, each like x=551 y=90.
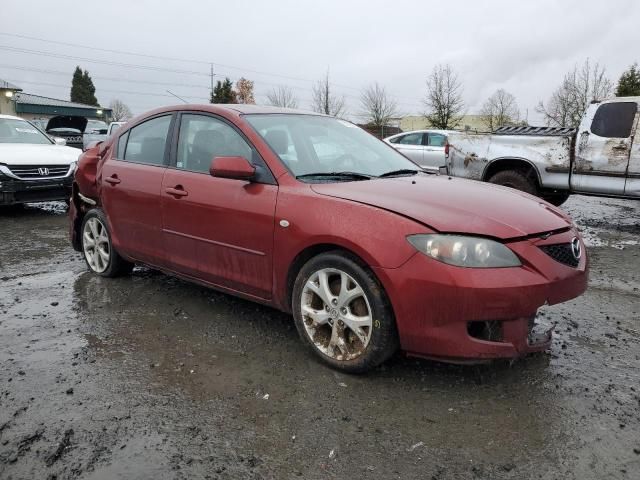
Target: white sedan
x=424 y=147
x=33 y=166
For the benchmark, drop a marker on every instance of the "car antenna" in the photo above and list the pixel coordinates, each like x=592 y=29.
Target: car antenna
x=179 y=98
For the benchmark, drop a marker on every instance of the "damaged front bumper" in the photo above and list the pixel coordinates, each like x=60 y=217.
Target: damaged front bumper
x=14 y=191
x=468 y=315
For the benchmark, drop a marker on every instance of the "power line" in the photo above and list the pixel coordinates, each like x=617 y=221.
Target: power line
x=161 y=57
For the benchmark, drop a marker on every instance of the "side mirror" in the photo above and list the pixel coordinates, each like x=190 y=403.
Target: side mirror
x=238 y=168
x=59 y=141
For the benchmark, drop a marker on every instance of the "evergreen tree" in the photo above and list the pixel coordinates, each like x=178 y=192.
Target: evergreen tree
x=223 y=92
x=82 y=88
x=629 y=83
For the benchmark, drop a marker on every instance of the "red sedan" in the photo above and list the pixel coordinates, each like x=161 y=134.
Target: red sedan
x=314 y=216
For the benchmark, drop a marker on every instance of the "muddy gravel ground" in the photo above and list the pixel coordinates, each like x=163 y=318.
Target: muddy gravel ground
x=151 y=377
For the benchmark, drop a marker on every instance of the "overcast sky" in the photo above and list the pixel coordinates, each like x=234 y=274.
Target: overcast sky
x=524 y=47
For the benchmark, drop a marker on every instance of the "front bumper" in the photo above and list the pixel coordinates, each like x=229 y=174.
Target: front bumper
x=467 y=314
x=14 y=191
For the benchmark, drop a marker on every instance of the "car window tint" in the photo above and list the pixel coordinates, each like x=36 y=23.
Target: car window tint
x=437 y=140
x=146 y=142
x=202 y=138
x=614 y=120
x=411 y=139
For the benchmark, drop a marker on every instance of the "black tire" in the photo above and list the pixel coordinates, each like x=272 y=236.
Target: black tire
x=383 y=335
x=515 y=179
x=557 y=199
x=114 y=265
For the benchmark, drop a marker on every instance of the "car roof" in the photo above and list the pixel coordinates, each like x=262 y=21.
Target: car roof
x=12 y=117
x=428 y=130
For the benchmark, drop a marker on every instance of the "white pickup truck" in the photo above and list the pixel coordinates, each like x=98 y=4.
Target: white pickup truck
x=601 y=158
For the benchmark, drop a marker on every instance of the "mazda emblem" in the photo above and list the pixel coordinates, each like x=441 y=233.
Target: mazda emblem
x=576 y=249
x=43 y=171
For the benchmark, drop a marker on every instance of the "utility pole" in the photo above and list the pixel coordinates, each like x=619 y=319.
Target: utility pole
x=211 y=76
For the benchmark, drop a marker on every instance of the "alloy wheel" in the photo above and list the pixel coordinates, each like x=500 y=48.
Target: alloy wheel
x=336 y=313
x=96 y=245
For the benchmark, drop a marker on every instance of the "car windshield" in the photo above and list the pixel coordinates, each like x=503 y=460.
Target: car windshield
x=325 y=149
x=19 y=131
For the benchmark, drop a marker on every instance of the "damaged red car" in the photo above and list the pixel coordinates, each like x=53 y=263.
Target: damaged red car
x=314 y=216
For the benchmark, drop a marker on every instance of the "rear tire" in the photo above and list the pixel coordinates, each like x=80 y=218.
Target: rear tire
x=515 y=179
x=97 y=249
x=343 y=314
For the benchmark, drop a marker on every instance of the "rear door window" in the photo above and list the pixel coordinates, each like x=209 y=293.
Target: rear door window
x=147 y=142
x=411 y=139
x=614 y=120
x=437 y=140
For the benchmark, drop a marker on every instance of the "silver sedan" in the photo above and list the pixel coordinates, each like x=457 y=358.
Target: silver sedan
x=424 y=147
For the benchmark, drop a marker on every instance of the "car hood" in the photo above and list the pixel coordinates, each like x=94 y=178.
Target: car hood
x=66 y=121
x=452 y=205
x=27 y=154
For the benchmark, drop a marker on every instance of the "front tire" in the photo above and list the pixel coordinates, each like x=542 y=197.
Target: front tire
x=557 y=199
x=343 y=314
x=102 y=259
x=515 y=179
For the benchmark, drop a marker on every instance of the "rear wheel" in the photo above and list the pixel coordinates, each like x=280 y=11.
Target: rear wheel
x=343 y=314
x=515 y=179
x=98 y=252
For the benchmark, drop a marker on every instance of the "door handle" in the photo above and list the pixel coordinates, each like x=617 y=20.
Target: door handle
x=113 y=180
x=177 y=191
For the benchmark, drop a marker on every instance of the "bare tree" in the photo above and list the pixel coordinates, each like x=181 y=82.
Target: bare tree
x=282 y=96
x=444 y=98
x=119 y=111
x=578 y=89
x=244 y=89
x=499 y=110
x=325 y=101
x=377 y=107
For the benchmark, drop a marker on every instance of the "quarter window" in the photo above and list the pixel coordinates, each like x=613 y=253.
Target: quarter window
x=147 y=142
x=202 y=138
x=122 y=143
x=411 y=139
x=614 y=120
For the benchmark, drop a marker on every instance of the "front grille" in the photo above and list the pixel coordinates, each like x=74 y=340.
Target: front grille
x=562 y=253
x=28 y=172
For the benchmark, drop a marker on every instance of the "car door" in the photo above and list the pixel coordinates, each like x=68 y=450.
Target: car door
x=130 y=191
x=218 y=230
x=632 y=184
x=433 y=151
x=603 y=148
x=411 y=145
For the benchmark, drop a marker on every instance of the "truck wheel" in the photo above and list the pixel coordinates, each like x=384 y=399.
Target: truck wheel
x=515 y=179
x=556 y=200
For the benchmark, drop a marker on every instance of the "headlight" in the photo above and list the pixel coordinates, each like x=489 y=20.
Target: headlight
x=463 y=251
x=73 y=166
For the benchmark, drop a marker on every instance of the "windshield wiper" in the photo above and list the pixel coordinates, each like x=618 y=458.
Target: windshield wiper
x=397 y=173
x=351 y=175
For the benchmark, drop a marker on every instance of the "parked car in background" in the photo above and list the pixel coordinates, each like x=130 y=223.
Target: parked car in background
x=314 y=216
x=113 y=127
x=33 y=167
x=601 y=157
x=424 y=147
x=95 y=131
